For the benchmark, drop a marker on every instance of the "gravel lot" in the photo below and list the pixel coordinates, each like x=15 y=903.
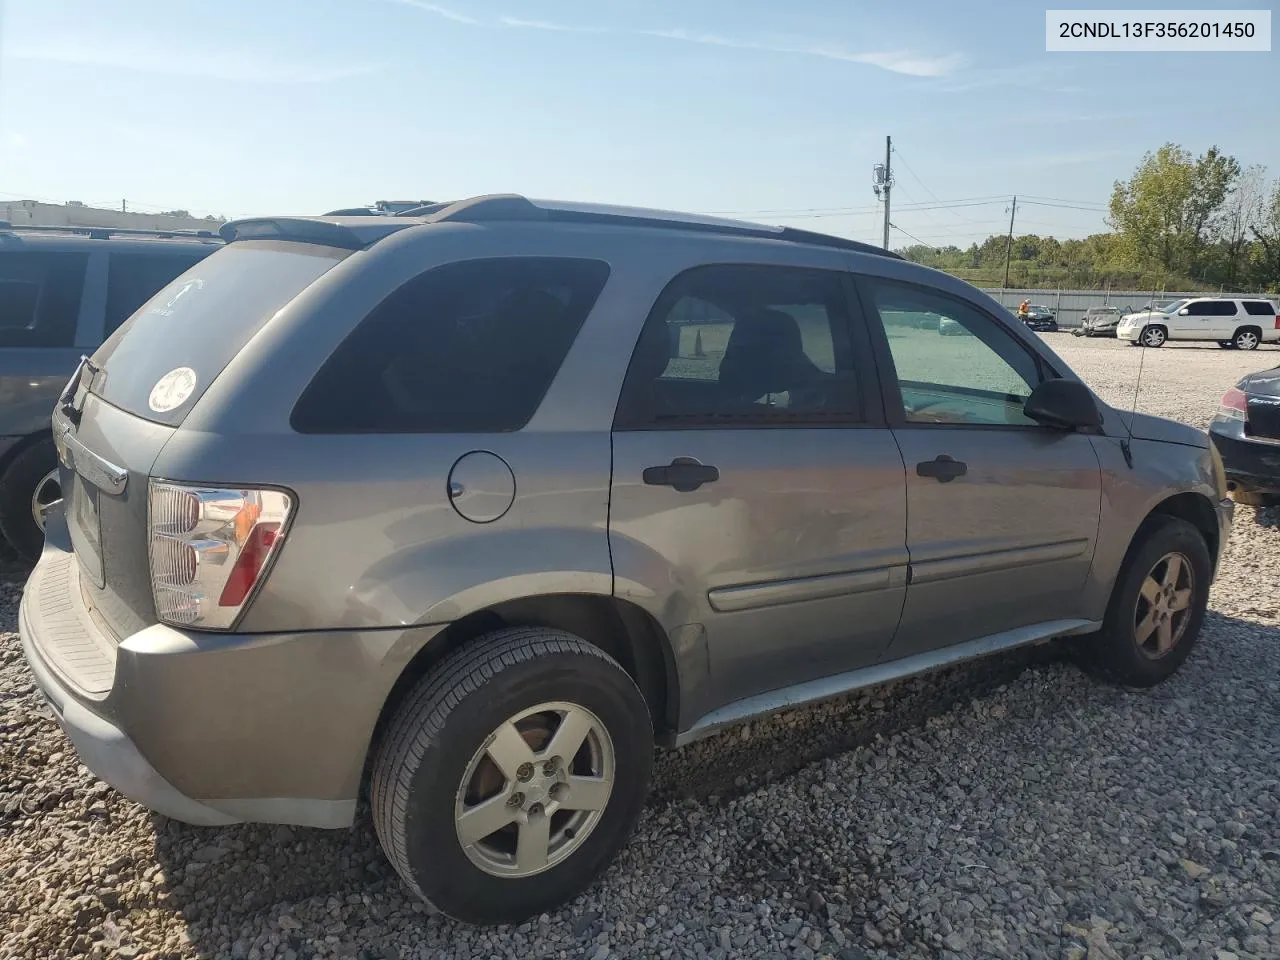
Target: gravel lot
x=1009 y=808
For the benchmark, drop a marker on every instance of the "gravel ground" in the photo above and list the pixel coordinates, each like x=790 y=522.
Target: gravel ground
x=1008 y=808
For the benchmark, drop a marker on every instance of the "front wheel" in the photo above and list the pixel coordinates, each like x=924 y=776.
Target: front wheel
x=1226 y=344
x=1157 y=606
x=512 y=774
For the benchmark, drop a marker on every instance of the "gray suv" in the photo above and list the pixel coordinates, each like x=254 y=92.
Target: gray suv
x=63 y=290
x=469 y=508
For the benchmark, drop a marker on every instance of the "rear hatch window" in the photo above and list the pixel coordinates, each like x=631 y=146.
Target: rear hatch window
x=158 y=364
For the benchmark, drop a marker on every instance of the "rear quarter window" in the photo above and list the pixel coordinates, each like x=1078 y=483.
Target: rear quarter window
x=200 y=320
x=134 y=278
x=467 y=347
x=40 y=297
x=1261 y=308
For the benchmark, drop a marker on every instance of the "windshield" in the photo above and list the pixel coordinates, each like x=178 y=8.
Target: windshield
x=1174 y=307
x=163 y=358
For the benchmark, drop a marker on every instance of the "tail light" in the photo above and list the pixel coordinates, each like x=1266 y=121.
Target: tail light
x=1278 y=321
x=210 y=547
x=1234 y=405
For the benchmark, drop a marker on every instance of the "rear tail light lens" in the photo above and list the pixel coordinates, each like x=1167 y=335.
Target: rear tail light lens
x=210 y=547
x=1278 y=322
x=1233 y=405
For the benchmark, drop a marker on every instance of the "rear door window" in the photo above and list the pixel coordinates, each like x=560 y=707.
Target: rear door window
x=134 y=278
x=467 y=347
x=40 y=297
x=163 y=358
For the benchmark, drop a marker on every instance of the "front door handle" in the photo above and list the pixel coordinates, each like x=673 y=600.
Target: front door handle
x=683 y=474
x=942 y=468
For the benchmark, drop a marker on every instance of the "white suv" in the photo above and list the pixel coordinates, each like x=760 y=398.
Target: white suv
x=1230 y=322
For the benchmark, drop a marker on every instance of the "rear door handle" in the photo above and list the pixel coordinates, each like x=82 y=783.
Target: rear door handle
x=942 y=468
x=683 y=474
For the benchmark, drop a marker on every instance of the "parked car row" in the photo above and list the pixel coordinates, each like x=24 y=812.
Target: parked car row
x=496 y=531
x=63 y=290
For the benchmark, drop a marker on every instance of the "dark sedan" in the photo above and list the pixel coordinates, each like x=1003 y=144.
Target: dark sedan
x=1039 y=318
x=1246 y=432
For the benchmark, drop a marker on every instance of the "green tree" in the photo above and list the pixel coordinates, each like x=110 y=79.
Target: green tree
x=1165 y=212
x=1267 y=234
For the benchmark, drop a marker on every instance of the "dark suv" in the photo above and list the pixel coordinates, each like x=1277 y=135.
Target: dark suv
x=63 y=290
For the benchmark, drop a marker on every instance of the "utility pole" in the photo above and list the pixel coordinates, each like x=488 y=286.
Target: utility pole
x=882 y=181
x=124 y=206
x=1008 y=244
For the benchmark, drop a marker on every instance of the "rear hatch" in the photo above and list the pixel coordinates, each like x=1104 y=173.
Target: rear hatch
x=127 y=400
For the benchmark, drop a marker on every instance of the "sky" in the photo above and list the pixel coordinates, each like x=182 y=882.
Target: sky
x=772 y=111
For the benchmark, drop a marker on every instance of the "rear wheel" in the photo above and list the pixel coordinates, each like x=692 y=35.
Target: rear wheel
x=28 y=489
x=1157 y=606
x=1154 y=337
x=1246 y=339
x=512 y=774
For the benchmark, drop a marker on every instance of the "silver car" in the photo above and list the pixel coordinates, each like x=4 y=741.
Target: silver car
x=468 y=508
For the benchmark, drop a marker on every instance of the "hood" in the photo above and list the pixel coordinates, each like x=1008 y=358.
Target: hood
x=1144 y=426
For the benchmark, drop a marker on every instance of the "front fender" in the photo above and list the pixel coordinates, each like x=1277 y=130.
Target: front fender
x=1160 y=472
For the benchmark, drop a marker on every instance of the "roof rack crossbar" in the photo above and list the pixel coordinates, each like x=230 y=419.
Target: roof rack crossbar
x=510 y=206
x=102 y=233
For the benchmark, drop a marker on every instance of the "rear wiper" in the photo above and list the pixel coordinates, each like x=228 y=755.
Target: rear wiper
x=67 y=399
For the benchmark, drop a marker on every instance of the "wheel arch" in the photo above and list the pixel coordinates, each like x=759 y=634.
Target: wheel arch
x=20 y=444
x=620 y=628
x=1256 y=328
x=1195 y=508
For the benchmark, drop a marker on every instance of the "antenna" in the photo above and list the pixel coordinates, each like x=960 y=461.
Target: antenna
x=1126 y=445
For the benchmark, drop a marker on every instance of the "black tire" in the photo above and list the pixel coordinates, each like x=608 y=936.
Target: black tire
x=446 y=720
x=1226 y=344
x=1247 y=338
x=1114 y=652
x=17 y=488
x=1153 y=336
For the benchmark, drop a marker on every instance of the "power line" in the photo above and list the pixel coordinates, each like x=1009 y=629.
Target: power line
x=836 y=211
x=1066 y=206
x=1082 y=203
x=917 y=179
x=911 y=235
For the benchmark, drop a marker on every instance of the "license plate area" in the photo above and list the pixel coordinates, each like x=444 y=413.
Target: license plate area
x=85 y=527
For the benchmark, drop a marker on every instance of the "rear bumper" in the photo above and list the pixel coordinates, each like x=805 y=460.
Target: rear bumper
x=107 y=751
x=209 y=728
x=1252 y=466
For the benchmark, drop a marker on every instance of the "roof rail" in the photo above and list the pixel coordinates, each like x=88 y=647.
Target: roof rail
x=426 y=209
x=102 y=233
x=511 y=206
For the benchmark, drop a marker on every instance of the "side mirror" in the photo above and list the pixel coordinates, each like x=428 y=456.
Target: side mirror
x=1185 y=311
x=1064 y=405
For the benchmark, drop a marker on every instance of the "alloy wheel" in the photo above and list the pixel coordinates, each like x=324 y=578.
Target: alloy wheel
x=535 y=790
x=48 y=493
x=1163 y=608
